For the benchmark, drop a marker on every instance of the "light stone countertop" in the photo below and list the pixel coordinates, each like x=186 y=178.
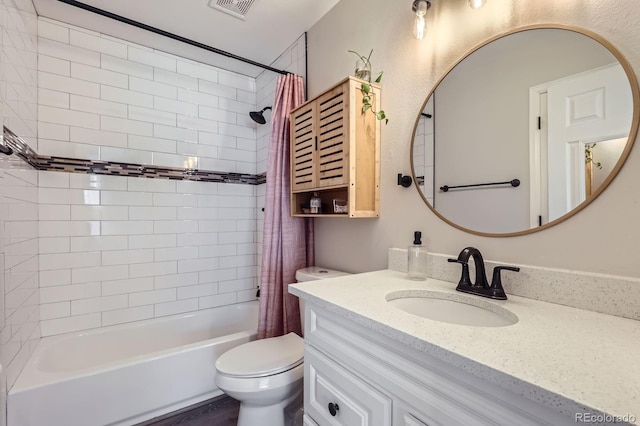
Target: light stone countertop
x=568 y=359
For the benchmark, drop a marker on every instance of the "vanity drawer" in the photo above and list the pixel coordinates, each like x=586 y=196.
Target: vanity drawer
x=333 y=396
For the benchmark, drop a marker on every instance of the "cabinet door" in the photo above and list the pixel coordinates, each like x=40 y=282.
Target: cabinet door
x=303 y=149
x=335 y=397
x=333 y=136
x=308 y=421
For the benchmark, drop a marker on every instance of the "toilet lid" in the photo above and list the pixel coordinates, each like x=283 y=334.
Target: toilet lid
x=264 y=357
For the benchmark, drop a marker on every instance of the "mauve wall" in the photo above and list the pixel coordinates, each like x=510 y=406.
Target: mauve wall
x=122 y=249
x=19 y=314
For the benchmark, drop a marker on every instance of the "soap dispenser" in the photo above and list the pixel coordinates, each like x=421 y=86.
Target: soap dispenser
x=417 y=259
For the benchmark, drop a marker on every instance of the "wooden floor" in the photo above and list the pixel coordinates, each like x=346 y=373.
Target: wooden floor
x=220 y=411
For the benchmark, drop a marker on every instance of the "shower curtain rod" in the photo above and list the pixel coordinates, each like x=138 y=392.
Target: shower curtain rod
x=176 y=37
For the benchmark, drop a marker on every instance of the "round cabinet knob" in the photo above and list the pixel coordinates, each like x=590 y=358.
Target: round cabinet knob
x=333 y=409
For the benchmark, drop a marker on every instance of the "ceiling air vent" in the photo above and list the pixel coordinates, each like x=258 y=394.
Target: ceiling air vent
x=235 y=8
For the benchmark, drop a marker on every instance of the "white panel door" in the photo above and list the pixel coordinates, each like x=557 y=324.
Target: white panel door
x=589 y=107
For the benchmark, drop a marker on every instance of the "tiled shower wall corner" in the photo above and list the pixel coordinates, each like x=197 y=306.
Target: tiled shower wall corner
x=19 y=313
x=117 y=249
x=293 y=60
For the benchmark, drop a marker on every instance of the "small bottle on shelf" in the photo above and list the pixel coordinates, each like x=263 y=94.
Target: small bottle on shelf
x=315 y=203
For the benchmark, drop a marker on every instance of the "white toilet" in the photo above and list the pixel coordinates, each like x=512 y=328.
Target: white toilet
x=266 y=375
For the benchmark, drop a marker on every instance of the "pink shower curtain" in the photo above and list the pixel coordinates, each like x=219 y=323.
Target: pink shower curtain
x=287 y=241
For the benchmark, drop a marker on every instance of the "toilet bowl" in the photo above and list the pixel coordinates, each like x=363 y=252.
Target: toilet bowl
x=266 y=375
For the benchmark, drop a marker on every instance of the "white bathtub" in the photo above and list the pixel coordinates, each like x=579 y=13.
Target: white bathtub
x=125 y=374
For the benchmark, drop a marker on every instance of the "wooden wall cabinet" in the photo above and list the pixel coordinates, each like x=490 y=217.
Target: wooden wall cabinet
x=335 y=151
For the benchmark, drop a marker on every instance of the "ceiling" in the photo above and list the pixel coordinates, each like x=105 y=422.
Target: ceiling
x=269 y=27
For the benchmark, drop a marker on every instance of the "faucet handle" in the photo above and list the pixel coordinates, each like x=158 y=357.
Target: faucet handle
x=496 y=282
x=465 y=279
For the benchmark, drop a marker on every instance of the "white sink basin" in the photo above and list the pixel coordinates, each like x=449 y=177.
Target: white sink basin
x=452 y=308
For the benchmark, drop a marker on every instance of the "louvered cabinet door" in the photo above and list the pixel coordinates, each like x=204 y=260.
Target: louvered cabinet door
x=333 y=147
x=303 y=149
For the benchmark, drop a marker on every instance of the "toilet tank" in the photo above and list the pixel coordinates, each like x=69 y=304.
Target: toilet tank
x=313 y=273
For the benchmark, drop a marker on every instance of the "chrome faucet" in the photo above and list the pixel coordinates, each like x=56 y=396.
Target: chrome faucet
x=481 y=286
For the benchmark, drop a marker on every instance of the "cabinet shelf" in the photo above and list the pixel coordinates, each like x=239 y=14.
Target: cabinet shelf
x=335 y=151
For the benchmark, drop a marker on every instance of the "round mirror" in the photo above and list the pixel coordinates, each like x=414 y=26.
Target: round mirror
x=525 y=130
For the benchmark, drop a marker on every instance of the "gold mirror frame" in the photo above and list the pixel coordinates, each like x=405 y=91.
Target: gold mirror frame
x=633 y=131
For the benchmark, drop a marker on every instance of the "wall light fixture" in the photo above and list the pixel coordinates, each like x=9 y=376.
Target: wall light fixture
x=420 y=8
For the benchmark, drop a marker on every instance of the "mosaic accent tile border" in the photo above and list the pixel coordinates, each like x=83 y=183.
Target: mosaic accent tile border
x=112 y=168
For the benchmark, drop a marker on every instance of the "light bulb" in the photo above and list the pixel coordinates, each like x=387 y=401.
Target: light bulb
x=418 y=28
x=476 y=4
x=420 y=8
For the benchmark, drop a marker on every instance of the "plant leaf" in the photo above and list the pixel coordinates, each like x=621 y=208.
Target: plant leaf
x=365 y=107
x=380 y=115
x=366 y=88
x=379 y=77
x=362 y=58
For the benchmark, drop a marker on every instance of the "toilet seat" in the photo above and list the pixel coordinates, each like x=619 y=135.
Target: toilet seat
x=261 y=358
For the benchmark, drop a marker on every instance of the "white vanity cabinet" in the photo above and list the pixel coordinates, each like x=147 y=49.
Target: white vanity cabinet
x=373 y=380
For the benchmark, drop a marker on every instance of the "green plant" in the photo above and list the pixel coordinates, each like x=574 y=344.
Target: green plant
x=366 y=89
x=588 y=155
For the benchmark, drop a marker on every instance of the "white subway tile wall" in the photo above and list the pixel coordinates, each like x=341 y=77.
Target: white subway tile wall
x=19 y=322
x=105 y=99
x=118 y=249
x=19 y=296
